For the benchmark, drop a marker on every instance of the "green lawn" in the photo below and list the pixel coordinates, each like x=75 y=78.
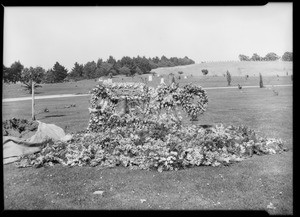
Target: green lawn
x=84 y=86
x=236 y=68
x=255 y=107
x=250 y=184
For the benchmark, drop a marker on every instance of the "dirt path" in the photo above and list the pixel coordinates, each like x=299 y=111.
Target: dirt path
x=74 y=95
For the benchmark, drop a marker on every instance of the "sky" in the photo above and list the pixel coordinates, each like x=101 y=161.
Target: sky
x=42 y=36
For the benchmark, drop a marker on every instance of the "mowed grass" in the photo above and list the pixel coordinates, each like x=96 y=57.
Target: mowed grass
x=255 y=107
x=249 y=185
x=84 y=86
x=236 y=68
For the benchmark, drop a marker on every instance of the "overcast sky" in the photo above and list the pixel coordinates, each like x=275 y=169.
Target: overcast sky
x=40 y=36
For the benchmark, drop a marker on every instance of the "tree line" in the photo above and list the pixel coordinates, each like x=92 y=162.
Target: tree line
x=58 y=73
x=287 y=56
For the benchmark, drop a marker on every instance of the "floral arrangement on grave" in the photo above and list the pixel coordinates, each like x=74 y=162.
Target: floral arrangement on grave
x=111 y=101
x=189 y=94
x=138 y=127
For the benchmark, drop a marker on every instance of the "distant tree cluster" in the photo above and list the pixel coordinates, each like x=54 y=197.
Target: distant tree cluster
x=12 y=73
x=287 y=56
x=126 y=66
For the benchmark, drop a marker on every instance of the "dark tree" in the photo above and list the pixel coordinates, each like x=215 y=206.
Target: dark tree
x=111 y=60
x=105 y=68
x=13 y=73
x=30 y=75
x=271 y=57
x=77 y=71
x=59 y=73
x=261 y=84
x=287 y=56
x=255 y=57
x=244 y=57
x=125 y=71
x=228 y=76
x=138 y=71
x=127 y=61
x=48 y=77
x=99 y=62
x=6 y=74
x=89 y=70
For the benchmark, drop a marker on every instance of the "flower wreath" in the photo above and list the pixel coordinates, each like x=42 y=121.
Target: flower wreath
x=168 y=95
x=106 y=96
x=115 y=91
x=187 y=96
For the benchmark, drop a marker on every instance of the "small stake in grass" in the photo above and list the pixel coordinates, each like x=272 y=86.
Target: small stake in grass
x=261 y=84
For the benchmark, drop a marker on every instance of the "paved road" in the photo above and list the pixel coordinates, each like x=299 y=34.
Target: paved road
x=42 y=97
x=234 y=87
x=74 y=95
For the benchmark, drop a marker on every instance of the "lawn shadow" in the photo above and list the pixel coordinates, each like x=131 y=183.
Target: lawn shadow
x=52 y=116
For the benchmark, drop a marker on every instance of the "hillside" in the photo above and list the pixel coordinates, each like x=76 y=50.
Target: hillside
x=237 y=68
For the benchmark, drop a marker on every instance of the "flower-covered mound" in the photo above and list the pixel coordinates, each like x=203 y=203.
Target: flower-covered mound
x=159 y=145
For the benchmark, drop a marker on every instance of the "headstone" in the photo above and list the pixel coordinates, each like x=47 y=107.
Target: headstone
x=100 y=80
x=185 y=77
x=162 y=81
x=109 y=80
x=150 y=77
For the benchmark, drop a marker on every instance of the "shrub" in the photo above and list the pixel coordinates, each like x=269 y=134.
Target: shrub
x=204 y=71
x=228 y=76
x=261 y=84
